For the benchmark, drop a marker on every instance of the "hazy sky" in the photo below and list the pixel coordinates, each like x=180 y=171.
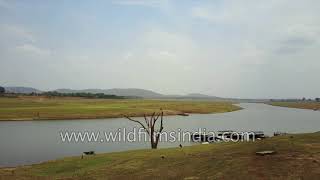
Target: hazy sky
x=228 y=48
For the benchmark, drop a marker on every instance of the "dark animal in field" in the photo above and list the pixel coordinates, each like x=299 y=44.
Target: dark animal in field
x=89 y=153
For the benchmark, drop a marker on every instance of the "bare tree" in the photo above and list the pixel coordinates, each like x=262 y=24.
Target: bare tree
x=149 y=127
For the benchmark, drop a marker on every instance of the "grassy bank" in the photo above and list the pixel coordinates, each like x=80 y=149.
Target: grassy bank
x=300 y=105
x=297 y=157
x=34 y=108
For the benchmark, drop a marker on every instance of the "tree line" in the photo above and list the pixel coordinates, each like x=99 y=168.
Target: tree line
x=2 y=90
x=82 y=94
x=295 y=100
x=58 y=94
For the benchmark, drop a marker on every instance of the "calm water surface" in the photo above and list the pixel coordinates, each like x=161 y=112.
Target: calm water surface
x=28 y=142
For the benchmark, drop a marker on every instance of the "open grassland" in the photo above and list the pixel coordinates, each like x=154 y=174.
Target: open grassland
x=297 y=157
x=35 y=108
x=300 y=105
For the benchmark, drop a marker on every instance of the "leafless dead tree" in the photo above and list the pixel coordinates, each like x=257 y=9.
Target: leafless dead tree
x=150 y=127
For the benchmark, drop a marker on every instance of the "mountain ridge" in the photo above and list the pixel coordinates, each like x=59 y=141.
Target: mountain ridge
x=133 y=92
x=117 y=91
x=21 y=89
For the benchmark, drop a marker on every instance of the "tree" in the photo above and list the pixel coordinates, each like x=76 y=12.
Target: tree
x=2 y=90
x=149 y=127
x=318 y=99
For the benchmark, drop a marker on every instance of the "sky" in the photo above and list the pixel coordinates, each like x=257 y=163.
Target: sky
x=226 y=48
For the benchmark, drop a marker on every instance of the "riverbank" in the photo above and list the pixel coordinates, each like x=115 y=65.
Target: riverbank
x=297 y=157
x=299 y=105
x=44 y=108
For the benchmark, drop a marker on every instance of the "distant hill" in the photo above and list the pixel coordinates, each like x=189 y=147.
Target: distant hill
x=128 y=92
x=194 y=96
x=134 y=92
x=197 y=95
x=140 y=93
x=118 y=92
x=22 y=90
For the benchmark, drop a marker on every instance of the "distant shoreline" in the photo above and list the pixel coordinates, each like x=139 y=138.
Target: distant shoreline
x=298 y=105
x=100 y=118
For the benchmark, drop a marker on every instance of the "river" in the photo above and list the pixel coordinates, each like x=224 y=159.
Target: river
x=28 y=142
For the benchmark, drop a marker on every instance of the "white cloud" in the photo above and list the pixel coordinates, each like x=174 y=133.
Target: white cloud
x=201 y=12
x=252 y=55
x=265 y=25
x=128 y=55
x=33 y=50
x=167 y=54
x=164 y=47
x=230 y=12
x=146 y=3
x=20 y=40
x=16 y=32
x=305 y=31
